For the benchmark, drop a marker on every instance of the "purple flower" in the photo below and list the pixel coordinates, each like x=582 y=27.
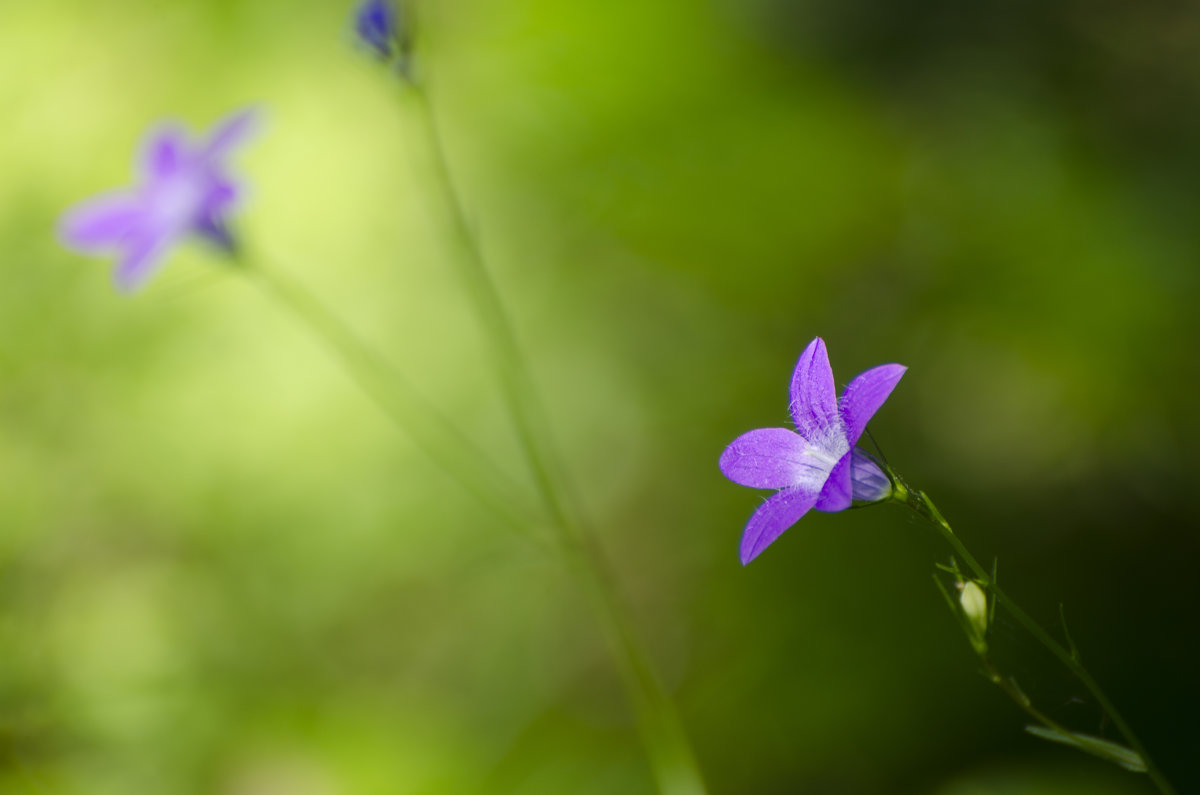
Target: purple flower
x=375 y=24
x=817 y=466
x=185 y=188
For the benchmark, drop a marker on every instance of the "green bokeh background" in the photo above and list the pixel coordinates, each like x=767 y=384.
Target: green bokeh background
x=223 y=571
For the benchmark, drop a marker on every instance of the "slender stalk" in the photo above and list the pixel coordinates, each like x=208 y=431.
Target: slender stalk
x=1021 y=700
x=434 y=434
x=670 y=754
x=920 y=503
x=438 y=438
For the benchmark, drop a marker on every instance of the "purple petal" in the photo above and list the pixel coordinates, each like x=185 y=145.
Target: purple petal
x=165 y=152
x=774 y=458
x=865 y=394
x=142 y=257
x=777 y=514
x=100 y=223
x=869 y=481
x=837 y=493
x=814 y=401
x=231 y=132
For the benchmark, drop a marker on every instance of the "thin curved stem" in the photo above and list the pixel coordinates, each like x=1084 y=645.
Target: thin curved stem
x=432 y=433
x=920 y=503
x=670 y=753
x=1018 y=697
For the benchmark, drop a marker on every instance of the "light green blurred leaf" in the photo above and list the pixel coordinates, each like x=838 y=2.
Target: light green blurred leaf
x=1108 y=751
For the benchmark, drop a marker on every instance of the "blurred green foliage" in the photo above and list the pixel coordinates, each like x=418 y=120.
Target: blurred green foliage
x=221 y=570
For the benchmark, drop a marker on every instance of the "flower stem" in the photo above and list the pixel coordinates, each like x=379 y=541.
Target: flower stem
x=1018 y=697
x=920 y=503
x=432 y=433
x=671 y=757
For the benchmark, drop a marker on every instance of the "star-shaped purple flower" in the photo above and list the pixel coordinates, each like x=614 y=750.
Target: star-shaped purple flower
x=185 y=188
x=816 y=466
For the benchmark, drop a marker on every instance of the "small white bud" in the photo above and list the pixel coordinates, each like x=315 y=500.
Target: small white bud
x=974 y=605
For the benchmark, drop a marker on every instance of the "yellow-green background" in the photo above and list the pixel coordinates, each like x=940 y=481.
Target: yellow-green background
x=223 y=571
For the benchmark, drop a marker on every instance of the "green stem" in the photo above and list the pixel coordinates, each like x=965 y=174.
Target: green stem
x=434 y=434
x=1021 y=700
x=670 y=754
x=920 y=503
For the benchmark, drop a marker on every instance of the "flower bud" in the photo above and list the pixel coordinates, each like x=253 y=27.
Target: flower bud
x=973 y=602
x=385 y=27
x=375 y=24
x=868 y=481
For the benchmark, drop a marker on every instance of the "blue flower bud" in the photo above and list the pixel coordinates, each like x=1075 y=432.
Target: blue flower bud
x=375 y=24
x=868 y=481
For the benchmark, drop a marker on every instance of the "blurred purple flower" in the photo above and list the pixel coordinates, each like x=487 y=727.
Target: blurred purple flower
x=818 y=467
x=185 y=188
x=375 y=24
